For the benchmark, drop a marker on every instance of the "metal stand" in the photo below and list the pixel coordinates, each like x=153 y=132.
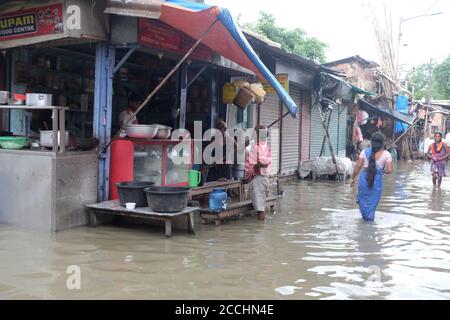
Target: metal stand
x=58 y=123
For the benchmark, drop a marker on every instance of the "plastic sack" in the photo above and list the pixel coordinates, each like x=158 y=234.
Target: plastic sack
x=324 y=166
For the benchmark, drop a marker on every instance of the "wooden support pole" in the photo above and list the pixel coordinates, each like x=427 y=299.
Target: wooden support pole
x=278 y=120
x=169 y=75
x=322 y=150
x=403 y=134
x=327 y=135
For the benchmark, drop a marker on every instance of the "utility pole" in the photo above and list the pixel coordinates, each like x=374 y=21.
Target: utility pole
x=400 y=35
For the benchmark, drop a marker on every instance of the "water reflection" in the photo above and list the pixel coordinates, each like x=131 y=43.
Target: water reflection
x=315 y=247
x=436 y=201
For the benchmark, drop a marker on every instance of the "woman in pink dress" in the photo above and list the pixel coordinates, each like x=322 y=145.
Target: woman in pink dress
x=439 y=153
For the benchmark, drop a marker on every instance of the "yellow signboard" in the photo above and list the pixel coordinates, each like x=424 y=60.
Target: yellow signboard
x=229 y=93
x=282 y=78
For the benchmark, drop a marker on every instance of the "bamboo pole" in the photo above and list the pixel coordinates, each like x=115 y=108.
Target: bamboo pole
x=169 y=75
x=327 y=136
x=403 y=134
x=278 y=120
x=164 y=81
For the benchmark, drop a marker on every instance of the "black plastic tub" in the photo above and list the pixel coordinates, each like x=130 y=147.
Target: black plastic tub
x=133 y=192
x=167 y=199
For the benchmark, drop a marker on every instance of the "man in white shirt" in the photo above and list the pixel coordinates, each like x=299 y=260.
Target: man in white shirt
x=134 y=102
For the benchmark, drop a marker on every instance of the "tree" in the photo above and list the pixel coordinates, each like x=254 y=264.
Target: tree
x=293 y=41
x=420 y=78
x=441 y=80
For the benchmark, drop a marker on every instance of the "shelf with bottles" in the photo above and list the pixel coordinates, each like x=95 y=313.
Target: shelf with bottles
x=62 y=60
x=52 y=72
x=60 y=73
x=53 y=84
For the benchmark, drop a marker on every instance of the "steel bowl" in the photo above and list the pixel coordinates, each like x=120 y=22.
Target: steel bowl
x=4 y=97
x=164 y=132
x=141 y=131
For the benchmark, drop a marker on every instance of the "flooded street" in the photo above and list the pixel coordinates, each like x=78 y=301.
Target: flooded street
x=315 y=247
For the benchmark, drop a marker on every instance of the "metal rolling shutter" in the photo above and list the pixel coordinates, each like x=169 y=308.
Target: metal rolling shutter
x=342 y=131
x=333 y=130
x=318 y=133
x=305 y=127
x=270 y=112
x=337 y=131
x=290 y=137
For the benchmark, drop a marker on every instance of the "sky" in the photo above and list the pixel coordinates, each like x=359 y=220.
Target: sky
x=345 y=27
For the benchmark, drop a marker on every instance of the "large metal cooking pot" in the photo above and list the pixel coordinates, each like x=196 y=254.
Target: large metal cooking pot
x=238 y=171
x=164 y=132
x=4 y=97
x=141 y=131
x=47 y=138
x=39 y=99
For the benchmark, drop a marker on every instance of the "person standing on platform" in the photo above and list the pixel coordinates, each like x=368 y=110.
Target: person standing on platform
x=257 y=168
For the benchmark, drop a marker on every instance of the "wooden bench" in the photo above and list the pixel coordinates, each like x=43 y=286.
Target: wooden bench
x=236 y=210
x=99 y=211
x=226 y=185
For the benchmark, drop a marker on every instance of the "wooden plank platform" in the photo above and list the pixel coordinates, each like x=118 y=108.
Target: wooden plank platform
x=236 y=210
x=112 y=208
x=226 y=185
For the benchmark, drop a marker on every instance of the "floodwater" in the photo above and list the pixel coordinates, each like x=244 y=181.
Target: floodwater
x=315 y=247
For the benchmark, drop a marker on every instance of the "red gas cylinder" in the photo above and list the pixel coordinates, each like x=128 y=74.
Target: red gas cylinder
x=121 y=167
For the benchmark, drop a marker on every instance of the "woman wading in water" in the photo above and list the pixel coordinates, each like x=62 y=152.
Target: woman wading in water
x=439 y=153
x=374 y=163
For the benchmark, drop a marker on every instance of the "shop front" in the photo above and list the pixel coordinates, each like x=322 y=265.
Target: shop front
x=48 y=153
x=90 y=74
x=181 y=83
x=192 y=95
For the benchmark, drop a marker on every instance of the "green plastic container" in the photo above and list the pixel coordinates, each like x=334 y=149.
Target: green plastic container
x=13 y=143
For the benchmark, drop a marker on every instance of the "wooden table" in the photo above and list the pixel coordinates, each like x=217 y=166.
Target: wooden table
x=209 y=187
x=113 y=208
x=235 y=210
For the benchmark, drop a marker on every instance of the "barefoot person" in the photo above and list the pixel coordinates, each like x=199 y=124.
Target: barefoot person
x=439 y=153
x=374 y=163
x=257 y=168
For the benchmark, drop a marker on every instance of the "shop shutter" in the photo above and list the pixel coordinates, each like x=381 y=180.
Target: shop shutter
x=316 y=132
x=342 y=131
x=337 y=131
x=290 y=136
x=333 y=130
x=270 y=112
x=305 y=128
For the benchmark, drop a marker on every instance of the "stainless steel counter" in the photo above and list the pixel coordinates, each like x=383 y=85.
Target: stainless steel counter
x=47 y=153
x=47 y=190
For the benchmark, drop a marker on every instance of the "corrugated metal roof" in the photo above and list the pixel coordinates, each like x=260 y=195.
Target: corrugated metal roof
x=261 y=41
x=357 y=58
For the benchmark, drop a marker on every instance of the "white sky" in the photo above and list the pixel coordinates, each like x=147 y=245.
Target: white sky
x=344 y=26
